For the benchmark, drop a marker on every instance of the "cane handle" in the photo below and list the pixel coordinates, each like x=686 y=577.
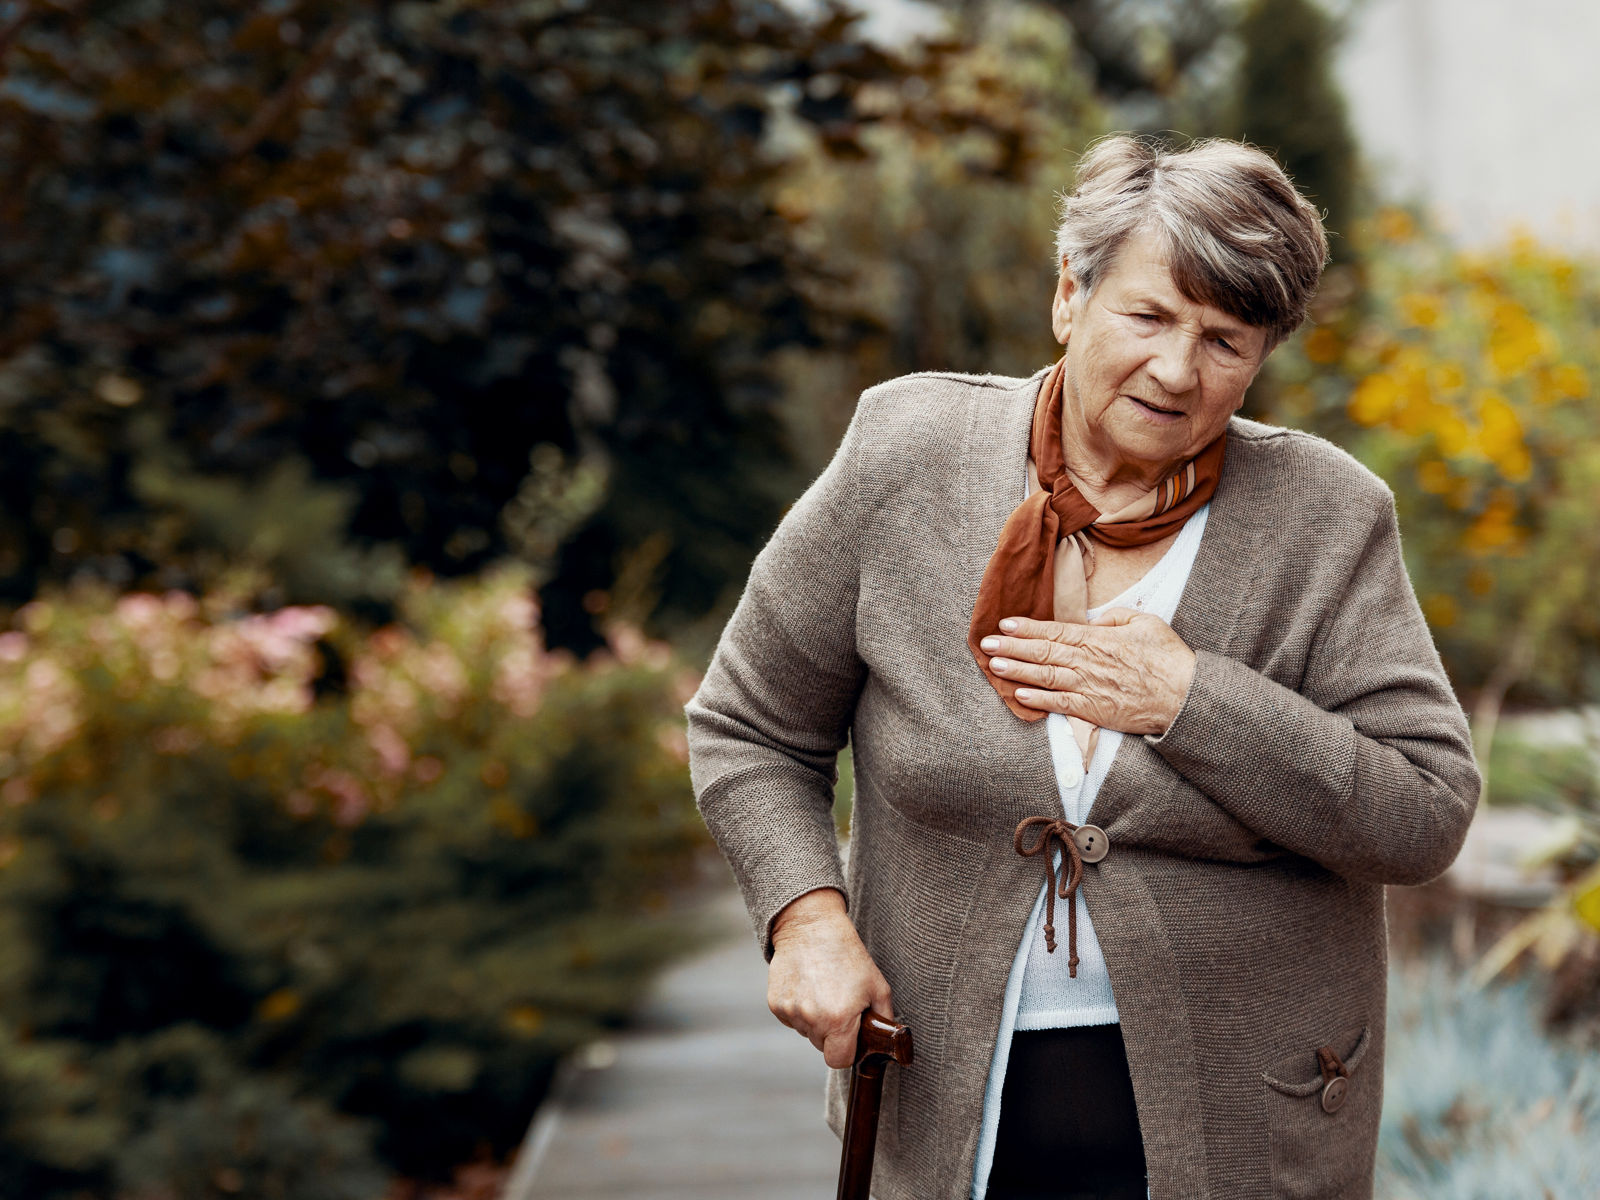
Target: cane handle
x=880 y=1042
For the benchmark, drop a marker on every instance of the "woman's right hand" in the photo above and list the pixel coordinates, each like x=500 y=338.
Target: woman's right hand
x=821 y=978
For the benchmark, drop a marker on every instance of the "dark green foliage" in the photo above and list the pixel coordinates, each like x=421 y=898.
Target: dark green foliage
x=228 y=917
x=54 y=1131
x=209 y=1129
x=1141 y=57
x=1145 y=50
x=410 y=244
x=949 y=239
x=1289 y=104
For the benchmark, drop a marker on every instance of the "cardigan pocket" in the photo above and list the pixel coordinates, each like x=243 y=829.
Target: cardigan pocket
x=1323 y=1140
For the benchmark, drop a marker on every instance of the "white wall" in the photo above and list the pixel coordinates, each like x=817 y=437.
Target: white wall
x=1488 y=110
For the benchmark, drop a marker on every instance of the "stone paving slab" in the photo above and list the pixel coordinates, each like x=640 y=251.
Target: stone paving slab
x=709 y=1097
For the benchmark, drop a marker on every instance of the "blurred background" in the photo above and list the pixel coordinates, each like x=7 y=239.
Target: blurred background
x=393 y=395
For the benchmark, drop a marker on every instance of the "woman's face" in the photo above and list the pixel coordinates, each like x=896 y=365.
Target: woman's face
x=1152 y=376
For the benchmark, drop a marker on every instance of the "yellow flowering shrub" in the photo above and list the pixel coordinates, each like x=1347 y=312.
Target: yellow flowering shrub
x=1468 y=381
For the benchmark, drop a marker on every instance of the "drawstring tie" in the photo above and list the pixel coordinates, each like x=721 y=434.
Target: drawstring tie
x=1057 y=829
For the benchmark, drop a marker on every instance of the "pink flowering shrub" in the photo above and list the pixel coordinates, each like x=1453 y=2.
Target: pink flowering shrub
x=396 y=871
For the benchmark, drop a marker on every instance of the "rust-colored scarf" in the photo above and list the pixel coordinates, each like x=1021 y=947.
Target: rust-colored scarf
x=1039 y=569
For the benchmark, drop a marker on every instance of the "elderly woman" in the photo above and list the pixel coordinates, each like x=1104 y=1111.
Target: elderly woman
x=1111 y=658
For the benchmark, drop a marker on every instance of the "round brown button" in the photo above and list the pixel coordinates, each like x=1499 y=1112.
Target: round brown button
x=1093 y=843
x=1334 y=1093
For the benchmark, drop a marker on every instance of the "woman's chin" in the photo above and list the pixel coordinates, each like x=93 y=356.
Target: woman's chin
x=1141 y=435
x=1139 y=441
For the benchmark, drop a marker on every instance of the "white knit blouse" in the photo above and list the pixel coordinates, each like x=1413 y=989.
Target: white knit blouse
x=1039 y=992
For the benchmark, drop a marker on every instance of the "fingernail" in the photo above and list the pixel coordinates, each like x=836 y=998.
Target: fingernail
x=1026 y=693
x=1009 y=624
x=1000 y=664
x=990 y=644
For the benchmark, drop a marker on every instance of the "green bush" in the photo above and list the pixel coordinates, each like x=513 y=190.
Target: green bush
x=213 y=1128
x=1557 y=778
x=329 y=285
x=396 y=873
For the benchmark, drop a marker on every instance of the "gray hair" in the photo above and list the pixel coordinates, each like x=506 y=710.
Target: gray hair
x=1238 y=236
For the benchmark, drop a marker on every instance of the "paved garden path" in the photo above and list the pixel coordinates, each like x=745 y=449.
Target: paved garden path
x=707 y=1098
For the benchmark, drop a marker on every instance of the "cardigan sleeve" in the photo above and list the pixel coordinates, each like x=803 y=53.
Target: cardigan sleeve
x=1368 y=767
x=775 y=707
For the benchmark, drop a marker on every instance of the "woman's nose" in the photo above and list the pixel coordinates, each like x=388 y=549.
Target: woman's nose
x=1175 y=365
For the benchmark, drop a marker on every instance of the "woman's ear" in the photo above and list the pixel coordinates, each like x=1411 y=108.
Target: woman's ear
x=1061 y=306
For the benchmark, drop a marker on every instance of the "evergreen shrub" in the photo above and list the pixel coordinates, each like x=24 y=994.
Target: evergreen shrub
x=256 y=869
x=1479 y=1103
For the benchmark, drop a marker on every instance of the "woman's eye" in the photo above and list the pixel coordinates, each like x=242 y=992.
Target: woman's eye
x=1226 y=345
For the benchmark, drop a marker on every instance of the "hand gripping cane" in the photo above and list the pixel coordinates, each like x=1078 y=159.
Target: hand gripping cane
x=879 y=1041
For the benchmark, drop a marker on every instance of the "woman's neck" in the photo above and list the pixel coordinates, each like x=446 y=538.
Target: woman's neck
x=1109 y=492
x=1106 y=498
x=1105 y=480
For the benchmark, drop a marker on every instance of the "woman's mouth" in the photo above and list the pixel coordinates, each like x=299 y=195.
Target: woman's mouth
x=1155 y=411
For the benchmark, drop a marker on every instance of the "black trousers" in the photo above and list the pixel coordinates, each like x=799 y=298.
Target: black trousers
x=1068 y=1126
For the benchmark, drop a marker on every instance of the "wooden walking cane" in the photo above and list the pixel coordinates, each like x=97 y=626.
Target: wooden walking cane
x=879 y=1041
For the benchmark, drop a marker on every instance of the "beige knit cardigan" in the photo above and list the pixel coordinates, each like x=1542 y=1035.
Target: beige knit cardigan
x=1318 y=756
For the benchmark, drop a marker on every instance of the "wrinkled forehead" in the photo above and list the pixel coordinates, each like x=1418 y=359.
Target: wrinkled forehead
x=1190 y=263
